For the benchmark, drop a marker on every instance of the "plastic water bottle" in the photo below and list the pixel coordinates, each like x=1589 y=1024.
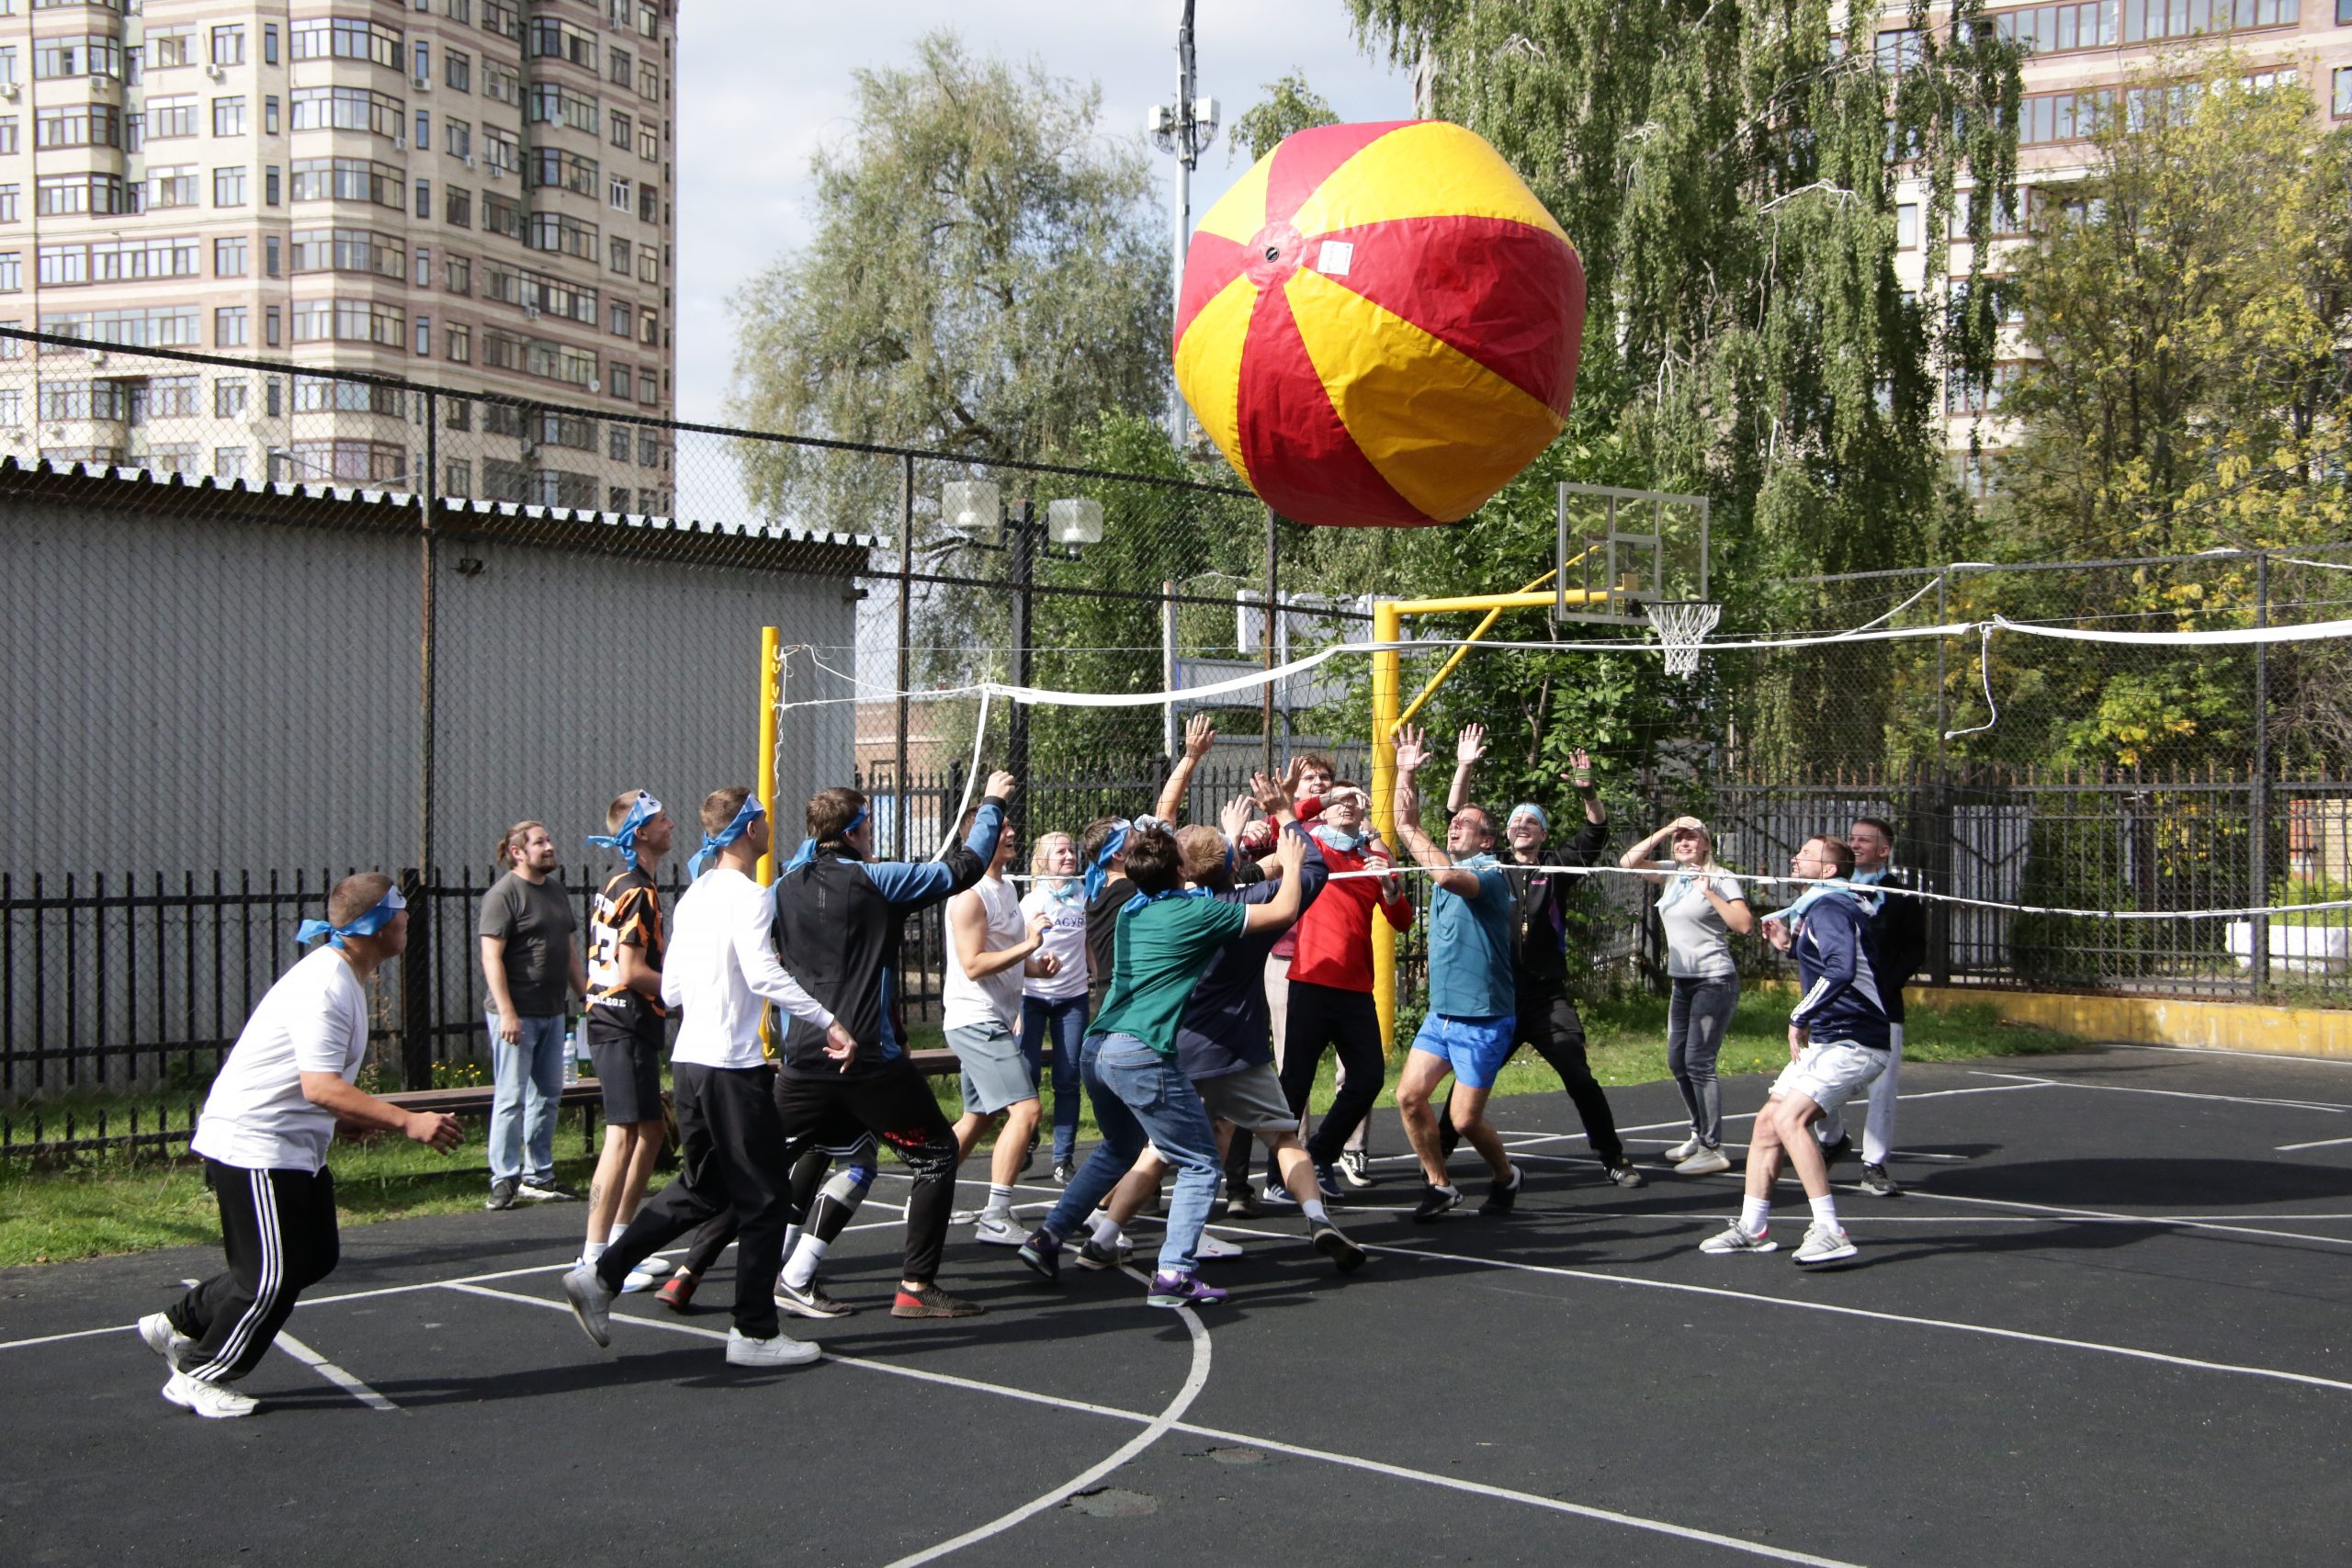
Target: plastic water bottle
x=571 y=1046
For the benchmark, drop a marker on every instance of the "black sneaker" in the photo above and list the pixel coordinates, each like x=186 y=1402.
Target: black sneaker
x=1435 y=1201
x=1878 y=1184
x=1274 y=1195
x=1355 y=1168
x=1842 y=1149
x=1243 y=1205
x=502 y=1193
x=1501 y=1195
x=1624 y=1174
x=813 y=1301
x=1043 y=1253
x=1327 y=1181
x=1336 y=1247
x=545 y=1189
x=1063 y=1171
x=1449 y=1137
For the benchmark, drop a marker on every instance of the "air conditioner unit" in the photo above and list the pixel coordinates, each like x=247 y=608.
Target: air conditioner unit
x=596 y=385
x=422 y=84
x=530 y=312
x=97 y=355
x=215 y=73
x=55 y=432
x=8 y=91
x=399 y=142
x=470 y=160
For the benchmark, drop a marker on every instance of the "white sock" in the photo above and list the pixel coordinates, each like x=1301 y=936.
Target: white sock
x=792 y=1234
x=1315 y=1212
x=592 y=1251
x=1825 y=1211
x=1000 y=1201
x=1755 y=1213
x=1107 y=1233
x=801 y=1267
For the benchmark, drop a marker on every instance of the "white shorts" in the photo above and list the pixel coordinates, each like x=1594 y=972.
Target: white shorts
x=1830 y=1073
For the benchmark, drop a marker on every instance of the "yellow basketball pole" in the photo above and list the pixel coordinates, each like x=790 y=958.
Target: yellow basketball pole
x=771 y=668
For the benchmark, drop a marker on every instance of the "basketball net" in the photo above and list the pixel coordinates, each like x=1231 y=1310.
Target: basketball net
x=1683 y=626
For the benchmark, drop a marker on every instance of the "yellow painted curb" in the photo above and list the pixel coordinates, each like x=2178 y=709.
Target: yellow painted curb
x=2161 y=1020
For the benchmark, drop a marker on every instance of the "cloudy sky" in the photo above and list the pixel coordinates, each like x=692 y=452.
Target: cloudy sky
x=763 y=84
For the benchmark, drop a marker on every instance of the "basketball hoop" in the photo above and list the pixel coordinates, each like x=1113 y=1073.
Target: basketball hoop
x=1683 y=626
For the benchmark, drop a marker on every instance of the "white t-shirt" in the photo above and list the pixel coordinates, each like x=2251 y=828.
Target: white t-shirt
x=1698 y=943
x=1066 y=941
x=313 y=1020
x=721 y=964
x=992 y=999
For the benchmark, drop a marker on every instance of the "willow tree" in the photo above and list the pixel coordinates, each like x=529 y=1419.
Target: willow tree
x=1728 y=170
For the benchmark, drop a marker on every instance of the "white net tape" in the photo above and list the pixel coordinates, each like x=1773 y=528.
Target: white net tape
x=1682 y=625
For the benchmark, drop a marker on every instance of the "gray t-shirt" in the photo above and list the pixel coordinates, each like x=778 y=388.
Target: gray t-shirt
x=537 y=920
x=1698 y=943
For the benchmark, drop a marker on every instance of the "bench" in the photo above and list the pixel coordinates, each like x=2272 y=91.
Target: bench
x=475 y=1100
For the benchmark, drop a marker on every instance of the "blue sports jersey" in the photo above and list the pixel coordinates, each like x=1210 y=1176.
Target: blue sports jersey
x=1841 y=998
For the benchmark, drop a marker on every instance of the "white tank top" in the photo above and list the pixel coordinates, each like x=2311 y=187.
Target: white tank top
x=994 y=998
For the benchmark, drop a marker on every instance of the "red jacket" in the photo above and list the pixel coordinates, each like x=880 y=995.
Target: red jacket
x=1335 y=935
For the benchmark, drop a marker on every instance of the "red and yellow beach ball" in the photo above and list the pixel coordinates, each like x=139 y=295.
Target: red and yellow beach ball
x=1379 y=324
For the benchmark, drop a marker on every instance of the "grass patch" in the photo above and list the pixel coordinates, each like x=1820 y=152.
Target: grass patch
x=94 y=1205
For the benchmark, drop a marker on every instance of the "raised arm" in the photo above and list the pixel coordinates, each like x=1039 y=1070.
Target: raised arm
x=1643 y=857
x=1199 y=734
x=1468 y=748
x=917 y=884
x=1275 y=913
x=1412 y=752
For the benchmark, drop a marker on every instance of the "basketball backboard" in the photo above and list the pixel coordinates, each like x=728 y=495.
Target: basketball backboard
x=1623 y=548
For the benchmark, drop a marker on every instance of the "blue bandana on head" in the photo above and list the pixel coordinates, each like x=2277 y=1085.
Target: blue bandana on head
x=807 y=850
x=1142 y=900
x=1529 y=809
x=1098 y=870
x=624 y=838
x=368 y=924
x=745 y=814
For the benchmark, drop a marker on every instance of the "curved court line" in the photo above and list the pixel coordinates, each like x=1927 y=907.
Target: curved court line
x=2022 y=1079
x=1194 y=1382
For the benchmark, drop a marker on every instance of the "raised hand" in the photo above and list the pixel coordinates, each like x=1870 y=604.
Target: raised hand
x=1002 y=785
x=1235 y=817
x=1580 y=771
x=1199 y=734
x=1470 y=745
x=1292 y=774
x=1412 y=749
x=1274 y=795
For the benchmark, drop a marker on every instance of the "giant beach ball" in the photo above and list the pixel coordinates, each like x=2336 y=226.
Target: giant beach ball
x=1379 y=324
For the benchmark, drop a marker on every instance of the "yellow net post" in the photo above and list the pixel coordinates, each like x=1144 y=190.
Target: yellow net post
x=771 y=671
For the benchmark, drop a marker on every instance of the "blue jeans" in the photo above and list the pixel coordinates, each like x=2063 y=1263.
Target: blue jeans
x=1065 y=1023
x=1696 y=1017
x=1142 y=1097
x=529 y=1079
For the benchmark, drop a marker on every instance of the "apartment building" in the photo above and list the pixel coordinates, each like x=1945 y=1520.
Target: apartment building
x=471 y=194
x=2081 y=57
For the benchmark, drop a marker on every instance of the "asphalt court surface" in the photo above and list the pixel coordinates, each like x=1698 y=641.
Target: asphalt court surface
x=2106 y=1322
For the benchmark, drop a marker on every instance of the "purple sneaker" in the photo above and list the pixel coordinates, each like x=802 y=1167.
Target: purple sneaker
x=1182 y=1290
x=1043 y=1253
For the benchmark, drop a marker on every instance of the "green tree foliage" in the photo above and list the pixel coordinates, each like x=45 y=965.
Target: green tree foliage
x=986 y=272
x=1289 y=104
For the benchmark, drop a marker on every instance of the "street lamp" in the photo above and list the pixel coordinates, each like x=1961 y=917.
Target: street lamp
x=1185 y=127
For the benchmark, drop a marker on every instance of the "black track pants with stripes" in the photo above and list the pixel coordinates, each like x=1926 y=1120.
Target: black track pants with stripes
x=278 y=1227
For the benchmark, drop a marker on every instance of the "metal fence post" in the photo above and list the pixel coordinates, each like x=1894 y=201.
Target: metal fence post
x=1938 y=835
x=2259 y=789
x=417 y=998
x=1273 y=602
x=906 y=592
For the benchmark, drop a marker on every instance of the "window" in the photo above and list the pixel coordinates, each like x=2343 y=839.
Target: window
x=169 y=47
x=562 y=232
x=649 y=446
x=340 y=38
x=425 y=198
x=229 y=327
x=172 y=117
x=55 y=195
x=2146 y=21
x=462 y=344
x=352 y=462
x=616 y=435
x=269 y=186
x=349 y=179
x=229 y=46
x=228 y=117
x=347 y=108
x=458 y=69
x=620 y=124
x=423 y=70
x=503 y=153
x=269 y=115
x=422 y=137
x=94 y=54
x=649 y=21
x=423 y=334
x=160 y=326
x=78 y=125
x=1899 y=50
x=501 y=215
x=619 y=255
x=2344 y=12
x=502 y=83
x=648 y=328
x=457 y=10
x=648 y=264
x=230 y=257
x=621 y=67
x=2343 y=88
x=620 y=195
x=2044 y=117
x=458 y=275
x=554 y=429
x=269 y=55
x=649 y=83
x=554 y=104
x=458 y=137
x=12 y=272
x=622 y=319
x=649 y=203
x=649 y=145
x=458 y=208
x=538 y=294
x=121 y=261
x=7 y=133
x=229 y=462
x=229 y=186
x=270 y=335
x=549 y=38
x=424 y=279
x=228 y=397
x=553 y=167
x=349 y=320
x=1964 y=396
x=350 y=250
x=503 y=18
x=7 y=62
x=8 y=203
x=269 y=256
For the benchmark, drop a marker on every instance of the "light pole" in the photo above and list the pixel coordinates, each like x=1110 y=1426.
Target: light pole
x=1185 y=128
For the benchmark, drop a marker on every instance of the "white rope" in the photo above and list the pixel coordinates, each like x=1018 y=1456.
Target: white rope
x=1985 y=665
x=972 y=777
x=2308 y=631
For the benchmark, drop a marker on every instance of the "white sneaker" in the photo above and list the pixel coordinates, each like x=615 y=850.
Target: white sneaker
x=656 y=1265
x=999 y=1230
x=1684 y=1150
x=1825 y=1243
x=781 y=1351
x=1736 y=1237
x=964 y=1217
x=591 y=1303
x=1214 y=1247
x=164 y=1339
x=1706 y=1162
x=640 y=1278
x=214 y=1402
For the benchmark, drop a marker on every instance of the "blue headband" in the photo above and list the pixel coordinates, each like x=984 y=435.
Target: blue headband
x=714 y=842
x=624 y=838
x=368 y=924
x=1529 y=809
x=807 y=850
x=1098 y=870
x=1144 y=900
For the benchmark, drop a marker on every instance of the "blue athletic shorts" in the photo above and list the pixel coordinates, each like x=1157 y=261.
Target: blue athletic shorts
x=1478 y=1048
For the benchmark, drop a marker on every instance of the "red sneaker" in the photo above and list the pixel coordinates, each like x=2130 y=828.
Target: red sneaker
x=677 y=1293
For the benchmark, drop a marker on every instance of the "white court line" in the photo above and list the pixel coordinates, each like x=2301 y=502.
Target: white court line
x=2322 y=1144
x=2062 y=1212
x=2287 y=1056
x=2059 y=1341
x=1452 y=1483
x=332 y=1373
x=2023 y=1080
